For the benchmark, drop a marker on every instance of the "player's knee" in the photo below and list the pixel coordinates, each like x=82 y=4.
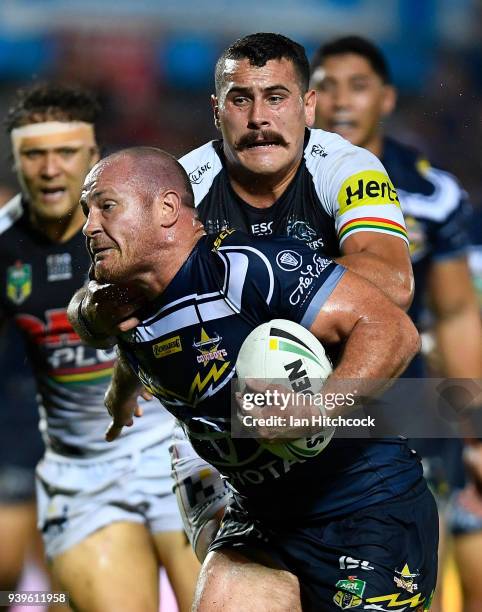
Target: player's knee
x=230 y=583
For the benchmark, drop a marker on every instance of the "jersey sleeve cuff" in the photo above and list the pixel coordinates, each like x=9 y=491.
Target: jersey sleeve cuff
x=322 y=295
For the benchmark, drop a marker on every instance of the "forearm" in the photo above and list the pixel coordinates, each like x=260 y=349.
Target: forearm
x=124 y=382
x=375 y=354
x=395 y=281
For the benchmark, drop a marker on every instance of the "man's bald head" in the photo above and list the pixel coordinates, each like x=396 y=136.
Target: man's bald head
x=150 y=170
x=141 y=220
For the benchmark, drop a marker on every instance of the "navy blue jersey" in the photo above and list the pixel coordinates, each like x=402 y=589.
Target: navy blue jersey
x=435 y=209
x=185 y=351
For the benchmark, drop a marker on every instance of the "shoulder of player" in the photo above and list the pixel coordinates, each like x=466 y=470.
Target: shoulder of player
x=202 y=165
x=329 y=153
x=10 y=213
x=425 y=190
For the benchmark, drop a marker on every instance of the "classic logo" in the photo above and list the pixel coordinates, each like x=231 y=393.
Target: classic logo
x=367 y=188
x=209 y=348
x=289 y=260
x=405 y=579
x=59 y=267
x=197 y=175
x=317 y=149
x=350 y=593
x=167 y=347
x=19 y=282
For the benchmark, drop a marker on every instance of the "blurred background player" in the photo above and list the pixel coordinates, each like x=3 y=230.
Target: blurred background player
x=19 y=454
x=464 y=515
x=107 y=513
x=354 y=95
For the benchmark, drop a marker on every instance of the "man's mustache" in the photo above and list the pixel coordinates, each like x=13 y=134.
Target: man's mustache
x=260 y=137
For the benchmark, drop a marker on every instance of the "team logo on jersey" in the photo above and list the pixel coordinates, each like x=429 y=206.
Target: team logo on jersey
x=367 y=188
x=351 y=593
x=59 y=267
x=167 y=347
x=209 y=348
x=405 y=579
x=302 y=231
x=289 y=260
x=317 y=149
x=197 y=175
x=19 y=282
x=393 y=601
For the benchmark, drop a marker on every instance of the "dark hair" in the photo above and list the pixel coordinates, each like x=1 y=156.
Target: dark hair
x=260 y=48
x=53 y=102
x=358 y=46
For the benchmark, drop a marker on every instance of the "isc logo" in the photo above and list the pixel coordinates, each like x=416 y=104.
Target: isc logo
x=367 y=189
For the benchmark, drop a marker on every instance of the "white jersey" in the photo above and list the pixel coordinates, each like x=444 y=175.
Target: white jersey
x=338 y=190
x=38 y=278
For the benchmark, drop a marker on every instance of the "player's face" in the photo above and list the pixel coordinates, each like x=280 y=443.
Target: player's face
x=118 y=227
x=262 y=114
x=51 y=169
x=351 y=98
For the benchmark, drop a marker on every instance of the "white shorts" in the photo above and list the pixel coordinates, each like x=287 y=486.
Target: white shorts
x=76 y=497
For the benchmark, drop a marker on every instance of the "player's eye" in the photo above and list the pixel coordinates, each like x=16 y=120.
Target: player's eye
x=275 y=99
x=107 y=205
x=240 y=100
x=359 y=86
x=66 y=152
x=32 y=154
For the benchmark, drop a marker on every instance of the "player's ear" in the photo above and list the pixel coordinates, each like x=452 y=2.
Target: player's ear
x=309 y=100
x=389 y=99
x=169 y=204
x=215 y=105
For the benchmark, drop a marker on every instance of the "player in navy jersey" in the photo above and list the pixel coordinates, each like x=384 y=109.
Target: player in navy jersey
x=285 y=538
x=269 y=174
x=354 y=95
x=105 y=540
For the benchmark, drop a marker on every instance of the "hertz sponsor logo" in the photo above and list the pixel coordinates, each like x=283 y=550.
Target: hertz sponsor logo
x=167 y=347
x=367 y=189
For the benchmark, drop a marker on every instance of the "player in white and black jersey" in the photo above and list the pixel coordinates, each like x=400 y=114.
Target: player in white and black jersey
x=107 y=513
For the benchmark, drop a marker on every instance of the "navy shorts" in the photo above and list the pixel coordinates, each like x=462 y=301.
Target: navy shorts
x=383 y=557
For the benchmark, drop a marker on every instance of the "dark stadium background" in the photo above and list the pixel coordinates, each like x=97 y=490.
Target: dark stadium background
x=151 y=62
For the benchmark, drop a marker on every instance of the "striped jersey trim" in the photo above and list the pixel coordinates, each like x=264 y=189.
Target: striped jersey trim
x=89 y=374
x=372 y=223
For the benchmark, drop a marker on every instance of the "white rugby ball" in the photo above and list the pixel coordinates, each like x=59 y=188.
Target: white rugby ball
x=276 y=351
